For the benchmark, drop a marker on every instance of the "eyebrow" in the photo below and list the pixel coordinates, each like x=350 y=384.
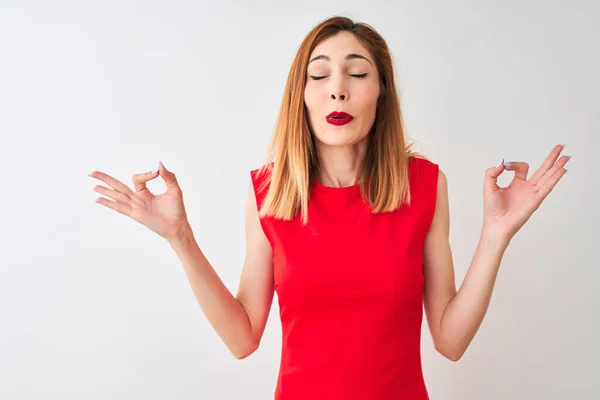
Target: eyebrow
x=351 y=56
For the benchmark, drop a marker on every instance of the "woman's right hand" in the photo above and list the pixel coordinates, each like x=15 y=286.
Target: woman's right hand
x=164 y=213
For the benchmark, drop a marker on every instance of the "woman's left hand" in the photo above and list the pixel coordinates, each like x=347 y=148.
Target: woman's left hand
x=507 y=209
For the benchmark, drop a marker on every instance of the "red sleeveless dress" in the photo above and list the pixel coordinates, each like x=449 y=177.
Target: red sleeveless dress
x=349 y=286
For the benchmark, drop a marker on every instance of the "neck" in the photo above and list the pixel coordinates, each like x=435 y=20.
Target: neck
x=339 y=166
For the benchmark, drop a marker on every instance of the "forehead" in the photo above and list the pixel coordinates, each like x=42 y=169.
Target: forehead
x=339 y=45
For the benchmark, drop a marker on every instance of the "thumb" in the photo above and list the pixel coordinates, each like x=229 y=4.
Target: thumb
x=491 y=177
x=168 y=177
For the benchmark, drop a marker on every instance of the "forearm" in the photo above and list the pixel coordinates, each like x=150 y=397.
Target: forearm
x=465 y=312
x=224 y=312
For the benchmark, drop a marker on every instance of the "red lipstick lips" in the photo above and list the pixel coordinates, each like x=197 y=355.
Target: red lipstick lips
x=339 y=118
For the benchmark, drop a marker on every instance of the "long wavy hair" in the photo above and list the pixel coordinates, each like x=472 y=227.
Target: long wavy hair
x=291 y=158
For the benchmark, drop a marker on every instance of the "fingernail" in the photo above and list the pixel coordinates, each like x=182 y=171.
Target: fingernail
x=163 y=165
x=564 y=145
x=154 y=171
x=507 y=164
x=501 y=162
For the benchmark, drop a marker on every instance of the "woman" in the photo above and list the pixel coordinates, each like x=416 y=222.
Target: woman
x=350 y=227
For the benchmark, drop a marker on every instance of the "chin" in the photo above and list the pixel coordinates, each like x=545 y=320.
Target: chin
x=339 y=137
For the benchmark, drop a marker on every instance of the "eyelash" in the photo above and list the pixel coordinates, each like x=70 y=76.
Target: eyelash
x=318 y=78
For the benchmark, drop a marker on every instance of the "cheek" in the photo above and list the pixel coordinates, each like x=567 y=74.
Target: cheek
x=368 y=96
x=312 y=102
x=308 y=98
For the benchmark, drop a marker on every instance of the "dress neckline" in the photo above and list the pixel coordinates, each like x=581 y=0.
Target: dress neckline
x=336 y=190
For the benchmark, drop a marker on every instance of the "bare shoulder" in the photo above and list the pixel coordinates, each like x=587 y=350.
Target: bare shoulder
x=442 y=213
x=442 y=183
x=255 y=233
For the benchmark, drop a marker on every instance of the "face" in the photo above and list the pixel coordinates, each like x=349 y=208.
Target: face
x=341 y=77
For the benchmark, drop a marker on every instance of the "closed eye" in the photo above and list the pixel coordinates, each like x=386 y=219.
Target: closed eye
x=316 y=78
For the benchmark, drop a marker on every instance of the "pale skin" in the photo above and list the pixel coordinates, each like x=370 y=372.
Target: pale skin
x=337 y=82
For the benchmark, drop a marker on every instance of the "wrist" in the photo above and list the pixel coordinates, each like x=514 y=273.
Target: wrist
x=495 y=237
x=184 y=236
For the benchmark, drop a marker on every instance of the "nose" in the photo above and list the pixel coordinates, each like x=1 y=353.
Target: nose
x=338 y=90
x=338 y=95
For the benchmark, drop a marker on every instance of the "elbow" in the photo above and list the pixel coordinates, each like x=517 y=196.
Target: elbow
x=454 y=356
x=452 y=353
x=241 y=352
x=240 y=355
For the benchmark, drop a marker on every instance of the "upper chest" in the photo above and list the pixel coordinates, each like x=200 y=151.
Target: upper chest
x=347 y=252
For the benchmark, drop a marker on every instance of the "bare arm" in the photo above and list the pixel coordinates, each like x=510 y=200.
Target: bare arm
x=239 y=321
x=454 y=318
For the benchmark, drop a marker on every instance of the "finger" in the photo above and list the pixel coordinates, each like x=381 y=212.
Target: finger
x=520 y=168
x=491 y=177
x=112 y=182
x=118 y=207
x=547 y=164
x=168 y=177
x=545 y=189
x=113 y=194
x=552 y=171
x=139 y=180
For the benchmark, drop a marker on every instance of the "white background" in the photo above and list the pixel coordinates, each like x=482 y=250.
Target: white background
x=95 y=306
